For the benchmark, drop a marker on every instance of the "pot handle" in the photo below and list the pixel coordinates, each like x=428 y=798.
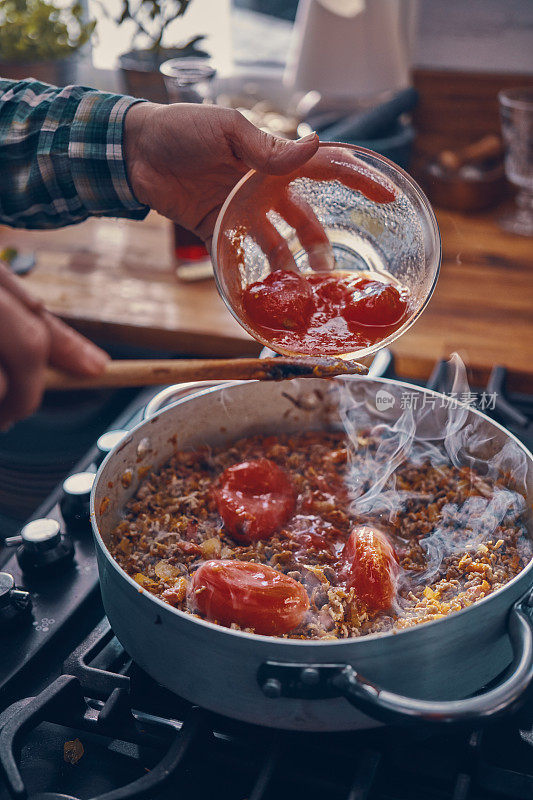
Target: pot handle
x=341 y=680
x=171 y=394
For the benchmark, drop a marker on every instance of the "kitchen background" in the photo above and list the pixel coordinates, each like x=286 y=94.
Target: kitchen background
x=474 y=35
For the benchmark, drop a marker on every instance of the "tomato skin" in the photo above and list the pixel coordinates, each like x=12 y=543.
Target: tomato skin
x=310 y=533
x=330 y=291
x=251 y=595
x=255 y=499
x=282 y=301
x=374 y=303
x=189 y=548
x=369 y=565
x=312 y=540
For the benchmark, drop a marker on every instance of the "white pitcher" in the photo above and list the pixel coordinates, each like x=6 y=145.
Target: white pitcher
x=351 y=50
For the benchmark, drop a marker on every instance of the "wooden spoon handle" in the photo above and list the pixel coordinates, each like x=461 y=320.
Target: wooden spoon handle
x=164 y=371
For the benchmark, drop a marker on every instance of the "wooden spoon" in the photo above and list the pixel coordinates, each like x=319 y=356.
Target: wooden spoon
x=157 y=372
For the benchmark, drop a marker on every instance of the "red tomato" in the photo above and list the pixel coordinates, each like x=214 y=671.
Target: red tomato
x=374 y=303
x=321 y=539
x=252 y=595
x=255 y=499
x=189 y=548
x=312 y=540
x=283 y=301
x=369 y=565
x=330 y=290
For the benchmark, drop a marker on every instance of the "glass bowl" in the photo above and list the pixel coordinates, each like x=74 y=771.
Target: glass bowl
x=378 y=223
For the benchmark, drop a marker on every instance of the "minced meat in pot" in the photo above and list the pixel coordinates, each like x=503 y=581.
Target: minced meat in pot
x=267 y=536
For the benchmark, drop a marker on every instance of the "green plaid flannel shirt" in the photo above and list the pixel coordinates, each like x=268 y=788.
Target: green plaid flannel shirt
x=61 y=155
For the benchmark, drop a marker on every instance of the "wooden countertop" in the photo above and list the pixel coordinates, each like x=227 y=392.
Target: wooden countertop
x=113 y=279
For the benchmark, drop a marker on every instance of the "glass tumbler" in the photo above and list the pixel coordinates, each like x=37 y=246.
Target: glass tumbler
x=189 y=80
x=516 y=110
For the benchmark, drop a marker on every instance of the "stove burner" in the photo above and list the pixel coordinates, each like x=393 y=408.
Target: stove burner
x=504 y=408
x=52 y=796
x=63 y=703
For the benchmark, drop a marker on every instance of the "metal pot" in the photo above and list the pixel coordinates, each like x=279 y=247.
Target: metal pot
x=423 y=672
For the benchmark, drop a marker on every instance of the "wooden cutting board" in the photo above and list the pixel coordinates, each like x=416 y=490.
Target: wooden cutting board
x=114 y=280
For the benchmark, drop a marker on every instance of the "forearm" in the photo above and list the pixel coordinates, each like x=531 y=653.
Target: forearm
x=61 y=155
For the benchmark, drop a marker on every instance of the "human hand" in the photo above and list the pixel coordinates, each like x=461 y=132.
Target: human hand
x=30 y=340
x=183 y=160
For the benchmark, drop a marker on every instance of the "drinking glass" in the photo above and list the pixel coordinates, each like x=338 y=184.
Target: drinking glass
x=189 y=80
x=516 y=110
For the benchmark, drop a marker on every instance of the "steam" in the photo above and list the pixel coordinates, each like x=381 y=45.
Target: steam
x=388 y=431
x=442 y=434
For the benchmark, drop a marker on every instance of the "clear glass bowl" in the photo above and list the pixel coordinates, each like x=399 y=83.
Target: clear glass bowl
x=396 y=239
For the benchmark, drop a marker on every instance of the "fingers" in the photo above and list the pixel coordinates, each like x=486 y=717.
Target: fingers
x=24 y=348
x=14 y=286
x=30 y=339
x=71 y=351
x=266 y=153
x=274 y=247
x=350 y=171
x=313 y=238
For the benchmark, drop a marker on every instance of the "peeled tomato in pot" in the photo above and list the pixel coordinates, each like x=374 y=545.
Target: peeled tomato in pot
x=251 y=595
x=254 y=499
x=369 y=565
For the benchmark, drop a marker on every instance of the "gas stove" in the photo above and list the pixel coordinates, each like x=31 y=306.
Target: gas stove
x=79 y=719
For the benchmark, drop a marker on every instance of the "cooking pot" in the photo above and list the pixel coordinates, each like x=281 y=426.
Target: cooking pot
x=421 y=673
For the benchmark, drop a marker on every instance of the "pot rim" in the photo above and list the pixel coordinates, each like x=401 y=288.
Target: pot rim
x=332 y=643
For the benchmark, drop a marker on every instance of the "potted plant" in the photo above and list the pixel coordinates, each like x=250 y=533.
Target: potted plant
x=39 y=39
x=150 y=20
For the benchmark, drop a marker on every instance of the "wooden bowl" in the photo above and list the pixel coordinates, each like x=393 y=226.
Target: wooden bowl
x=469 y=189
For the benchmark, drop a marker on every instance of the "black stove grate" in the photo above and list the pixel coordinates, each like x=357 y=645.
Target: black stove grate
x=162 y=747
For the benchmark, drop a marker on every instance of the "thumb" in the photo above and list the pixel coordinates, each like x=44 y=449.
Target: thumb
x=271 y=154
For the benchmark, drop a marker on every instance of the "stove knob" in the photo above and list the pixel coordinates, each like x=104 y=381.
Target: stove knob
x=42 y=547
x=75 y=501
x=107 y=442
x=15 y=604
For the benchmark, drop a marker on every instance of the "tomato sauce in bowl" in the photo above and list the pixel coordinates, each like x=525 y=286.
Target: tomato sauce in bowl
x=324 y=313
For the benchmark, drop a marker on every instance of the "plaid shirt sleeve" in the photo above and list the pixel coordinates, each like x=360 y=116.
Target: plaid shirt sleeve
x=61 y=155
